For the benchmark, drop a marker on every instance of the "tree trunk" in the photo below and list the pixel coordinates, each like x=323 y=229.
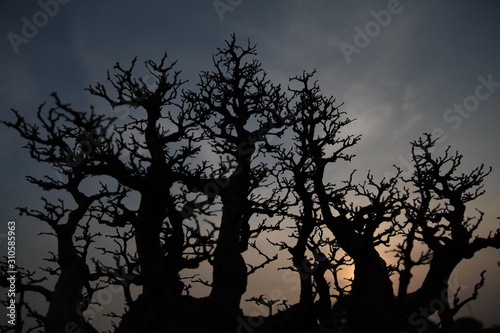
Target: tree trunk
x=372 y=302
x=298 y=252
x=229 y=268
x=303 y=266
x=323 y=307
x=162 y=287
x=432 y=296
x=64 y=312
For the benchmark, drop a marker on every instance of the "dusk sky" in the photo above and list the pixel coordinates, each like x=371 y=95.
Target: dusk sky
x=401 y=67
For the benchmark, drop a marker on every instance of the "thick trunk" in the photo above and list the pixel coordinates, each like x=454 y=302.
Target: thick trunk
x=305 y=270
x=64 y=312
x=229 y=277
x=151 y=215
x=436 y=280
x=323 y=307
x=432 y=296
x=303 y=267
x=229 y=268
x=306 y=301
x=372 y=302
x=306 y=290
x=298 y=252
x=162 y=287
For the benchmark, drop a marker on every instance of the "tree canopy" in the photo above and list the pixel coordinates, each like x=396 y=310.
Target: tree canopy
x=205 y=177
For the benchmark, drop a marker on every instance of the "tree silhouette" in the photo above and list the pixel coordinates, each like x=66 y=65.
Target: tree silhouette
x=468 y=324
x=199 y=177
x=236 y=107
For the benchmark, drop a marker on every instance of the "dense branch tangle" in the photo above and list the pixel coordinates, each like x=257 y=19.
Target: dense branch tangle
x=196 y=178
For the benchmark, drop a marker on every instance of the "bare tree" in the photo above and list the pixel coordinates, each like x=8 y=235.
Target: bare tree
x=236 y=108
x=64 y=147
x=315 y=124
x=438 y=217
x=198 y=176
x=385 y=209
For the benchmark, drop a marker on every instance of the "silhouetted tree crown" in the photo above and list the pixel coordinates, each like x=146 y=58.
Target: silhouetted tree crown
x=221 y=177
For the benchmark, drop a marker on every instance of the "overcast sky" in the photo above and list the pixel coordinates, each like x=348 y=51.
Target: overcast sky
x=402 y=69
